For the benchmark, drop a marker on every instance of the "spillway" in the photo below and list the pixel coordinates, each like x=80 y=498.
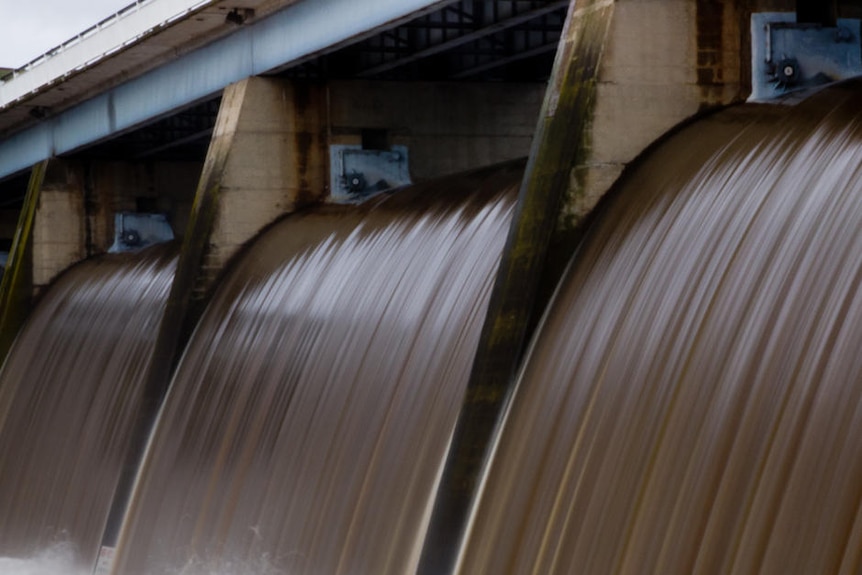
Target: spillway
x=693 y=400
x=70 y=391
x=690 y=403
x=309 y=416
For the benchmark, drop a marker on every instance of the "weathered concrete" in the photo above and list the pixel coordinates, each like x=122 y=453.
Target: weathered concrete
x=448 y=127
x=126 y=186
x=560 y=142
x=16 y=287
x=663 y=62
x=78 y=200
x=267 y=158
x=626 y=72
x=53 y=217
x=68 y=216
x=59 y=230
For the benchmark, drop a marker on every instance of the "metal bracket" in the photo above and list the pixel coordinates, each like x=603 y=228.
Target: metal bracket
x=356 y=173
x=789 y=56
x=133 y=231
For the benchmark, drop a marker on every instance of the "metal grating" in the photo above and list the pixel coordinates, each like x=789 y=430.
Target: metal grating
x=484 y=40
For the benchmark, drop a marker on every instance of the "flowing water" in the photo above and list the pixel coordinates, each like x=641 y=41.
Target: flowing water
x=69 y=394
x=308 y=419
x=693 y=402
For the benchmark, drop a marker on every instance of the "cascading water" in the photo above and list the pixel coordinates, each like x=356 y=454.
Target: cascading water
x=690 y=405
x=309 y=417
x=693 y=401
x=70 y=391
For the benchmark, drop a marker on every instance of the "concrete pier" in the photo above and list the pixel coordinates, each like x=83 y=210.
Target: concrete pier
x=267 y=158
x=662 y=62
x=626 y=73
x=270 y=150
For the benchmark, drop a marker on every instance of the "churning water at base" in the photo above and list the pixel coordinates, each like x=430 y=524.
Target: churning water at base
x=58 y=559
x=69 y=394
x=309 y=417
x=693 y=403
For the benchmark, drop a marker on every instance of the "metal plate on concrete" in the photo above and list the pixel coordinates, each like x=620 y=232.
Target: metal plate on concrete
x=133 y=231
x=788 y=56
x=356 y=173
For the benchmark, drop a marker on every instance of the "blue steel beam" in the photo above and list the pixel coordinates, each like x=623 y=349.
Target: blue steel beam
x=299 y=32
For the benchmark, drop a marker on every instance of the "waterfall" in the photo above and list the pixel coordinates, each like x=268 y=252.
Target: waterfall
x=692 y=402
x=70 y=391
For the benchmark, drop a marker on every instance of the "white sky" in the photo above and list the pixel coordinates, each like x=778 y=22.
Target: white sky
x=29 y=28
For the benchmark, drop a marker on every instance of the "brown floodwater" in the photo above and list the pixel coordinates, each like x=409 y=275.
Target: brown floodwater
x=309 y=416
x=693 y=400
x=69 y=394
x=691 y=403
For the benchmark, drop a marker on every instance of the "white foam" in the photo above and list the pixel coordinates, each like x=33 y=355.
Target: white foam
x=260 y=566
x=57 y=560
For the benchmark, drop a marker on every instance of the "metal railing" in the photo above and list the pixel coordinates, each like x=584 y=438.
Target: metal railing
x=127 y=11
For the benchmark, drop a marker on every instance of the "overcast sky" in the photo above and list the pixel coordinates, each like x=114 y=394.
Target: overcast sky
x=29 y=28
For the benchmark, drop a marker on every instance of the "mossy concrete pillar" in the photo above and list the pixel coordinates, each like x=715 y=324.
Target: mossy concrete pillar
x=16 y=287
x=663 y=62
x=49 y=237
x=267 y=157
x=626 y=72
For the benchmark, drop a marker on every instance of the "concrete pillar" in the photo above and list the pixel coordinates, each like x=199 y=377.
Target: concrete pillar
x=267 y=157
x=626 y=72
x=662 y=62
x=59 y=230
x=16 y=287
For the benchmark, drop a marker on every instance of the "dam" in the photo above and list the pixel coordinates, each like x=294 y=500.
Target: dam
x=592 y=310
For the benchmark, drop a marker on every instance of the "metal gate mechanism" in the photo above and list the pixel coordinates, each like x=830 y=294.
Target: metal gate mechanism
x=789 y=56
x=357 y=173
